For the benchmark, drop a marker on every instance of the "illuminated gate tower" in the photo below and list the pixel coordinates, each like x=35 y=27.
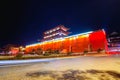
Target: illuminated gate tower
x=57 y=32
x=91 y=41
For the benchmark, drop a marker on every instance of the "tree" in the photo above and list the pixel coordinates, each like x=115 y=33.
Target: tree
x=32 y=52
x=85 y=52
x=69 y=53
x=19 y=56
x=39 y=51
x=56 y=52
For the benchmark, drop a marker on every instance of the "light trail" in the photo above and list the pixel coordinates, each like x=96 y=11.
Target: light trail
x=11 y=62
x=16 y=62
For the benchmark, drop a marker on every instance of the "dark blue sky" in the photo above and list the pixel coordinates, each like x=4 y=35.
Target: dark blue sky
x=24 y=21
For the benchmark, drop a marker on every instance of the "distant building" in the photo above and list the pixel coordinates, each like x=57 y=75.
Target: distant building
x=10 y=49
x=114 y=40
x=14 y=50
x=57 y=32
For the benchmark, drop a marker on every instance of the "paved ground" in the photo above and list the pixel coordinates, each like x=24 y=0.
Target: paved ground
x=75 y=68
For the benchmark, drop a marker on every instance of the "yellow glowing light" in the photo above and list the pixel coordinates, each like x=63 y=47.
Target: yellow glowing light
x=62 y=39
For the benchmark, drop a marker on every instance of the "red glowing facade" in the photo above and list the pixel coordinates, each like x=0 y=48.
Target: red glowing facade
x=90 y=41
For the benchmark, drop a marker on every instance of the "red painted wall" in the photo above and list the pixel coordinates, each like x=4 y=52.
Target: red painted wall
x=98 y=40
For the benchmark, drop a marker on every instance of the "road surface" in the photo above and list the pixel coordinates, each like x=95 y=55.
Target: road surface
x=75 y=68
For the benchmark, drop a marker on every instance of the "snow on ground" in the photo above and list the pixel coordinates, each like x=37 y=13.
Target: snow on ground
x=78 y=68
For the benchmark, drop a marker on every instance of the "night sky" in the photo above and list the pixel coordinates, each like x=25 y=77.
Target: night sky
x=24 y=21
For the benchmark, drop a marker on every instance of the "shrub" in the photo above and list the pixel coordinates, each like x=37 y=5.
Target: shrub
x=19 y=55
x=99 y=50
x=49 y=51
x=69 y=53
x=32 y=53
x=56 y=52
x=46 y=53
x=85 y=52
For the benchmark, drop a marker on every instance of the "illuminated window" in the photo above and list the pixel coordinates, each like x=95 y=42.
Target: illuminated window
x=54 y=30
x=64 y=29
x=47 y=32
x=58 y=28
x=51 y=31
x=60 y=34
x=64 y=34
x=50 y=35
x=54 y=34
